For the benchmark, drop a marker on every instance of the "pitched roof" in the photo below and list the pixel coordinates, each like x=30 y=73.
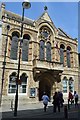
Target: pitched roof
x=62 y=33
x=18 y=18
x=45 y=16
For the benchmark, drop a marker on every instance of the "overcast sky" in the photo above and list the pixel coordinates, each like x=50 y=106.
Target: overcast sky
x=63 y=14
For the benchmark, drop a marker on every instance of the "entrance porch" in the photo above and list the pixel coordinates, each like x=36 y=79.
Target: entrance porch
x=47 y=74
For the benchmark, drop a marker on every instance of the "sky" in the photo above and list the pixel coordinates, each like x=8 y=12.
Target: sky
x=63 y=14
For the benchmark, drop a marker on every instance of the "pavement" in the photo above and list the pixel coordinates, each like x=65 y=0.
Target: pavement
x=35 y=110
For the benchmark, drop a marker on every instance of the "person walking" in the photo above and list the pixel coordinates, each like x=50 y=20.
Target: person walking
x=61 y=98
x=56 y=102
x=45 y=99
x=76 y=98
x=70 y=99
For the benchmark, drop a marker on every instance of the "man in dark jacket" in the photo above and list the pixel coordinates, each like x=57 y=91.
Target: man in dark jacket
x=56 y=102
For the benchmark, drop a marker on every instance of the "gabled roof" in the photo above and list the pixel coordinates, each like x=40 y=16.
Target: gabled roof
x=62 y=33
x=45 y=16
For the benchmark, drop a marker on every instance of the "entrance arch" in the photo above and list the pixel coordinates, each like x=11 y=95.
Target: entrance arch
x=44 y=86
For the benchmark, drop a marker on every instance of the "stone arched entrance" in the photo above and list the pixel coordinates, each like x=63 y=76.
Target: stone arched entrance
x=44 y=86
x=46 y=79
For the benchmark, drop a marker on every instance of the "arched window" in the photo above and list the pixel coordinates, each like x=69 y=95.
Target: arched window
x=71 y=86
x=12 y=83
x=14 y=45
x=64 y=83
x=48 y=51
x=41 y=51
x=68 y=57
x=25 y=47
x=23 y=86
x=62 y=53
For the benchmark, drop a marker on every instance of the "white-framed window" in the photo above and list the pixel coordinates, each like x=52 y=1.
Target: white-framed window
x=68 y=85
x=71 y=85
x=12 y=83
x=65 y=85
x=23 y=86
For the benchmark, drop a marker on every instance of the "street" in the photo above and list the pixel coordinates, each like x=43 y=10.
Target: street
x=36 y=111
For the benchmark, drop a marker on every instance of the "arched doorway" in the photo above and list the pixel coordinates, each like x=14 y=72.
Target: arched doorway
x=44 y=86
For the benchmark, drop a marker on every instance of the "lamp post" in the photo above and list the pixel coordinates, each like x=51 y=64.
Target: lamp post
x=25 y=5
x=4 y=64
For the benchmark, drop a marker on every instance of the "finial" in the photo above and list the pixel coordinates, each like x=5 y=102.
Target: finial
x=45 y=8
x=3 y=5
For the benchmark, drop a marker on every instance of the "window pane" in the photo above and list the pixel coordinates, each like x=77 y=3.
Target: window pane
x=23 y=78
x=71 y=85
x=68 y=58
x=25 y=49
x=14 y=48
x=62 y=55
x=41 y=55
x=12 y=83
x=48 y=52
x=64 y=86
x=23 y=88
x=12 y=88
x=45 y=34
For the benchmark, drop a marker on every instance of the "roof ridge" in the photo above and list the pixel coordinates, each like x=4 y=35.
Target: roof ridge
x=64 y=32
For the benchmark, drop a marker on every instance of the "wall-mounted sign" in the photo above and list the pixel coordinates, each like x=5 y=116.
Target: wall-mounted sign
x=32 y=92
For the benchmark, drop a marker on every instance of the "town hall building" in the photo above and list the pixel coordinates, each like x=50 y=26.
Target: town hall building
x=48 y=61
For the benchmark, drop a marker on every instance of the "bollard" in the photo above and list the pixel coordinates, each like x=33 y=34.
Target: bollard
x=68 y=104
x=65 y=112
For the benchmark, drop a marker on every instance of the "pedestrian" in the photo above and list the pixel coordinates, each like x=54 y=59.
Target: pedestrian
x=70 y=99
x=76 y=98
x=56 y=102
x=45 y=99
x=61 y=98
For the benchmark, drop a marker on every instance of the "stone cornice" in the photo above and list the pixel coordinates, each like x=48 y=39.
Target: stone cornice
x=67 y=40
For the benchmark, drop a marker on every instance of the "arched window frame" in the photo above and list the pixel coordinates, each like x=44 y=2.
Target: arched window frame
x=42 y=50
x=65 y=85
x=23 y=86
x=25 y=47
x=62 y=47
x=14 y=45
x=68 y=57
x=12 y=83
